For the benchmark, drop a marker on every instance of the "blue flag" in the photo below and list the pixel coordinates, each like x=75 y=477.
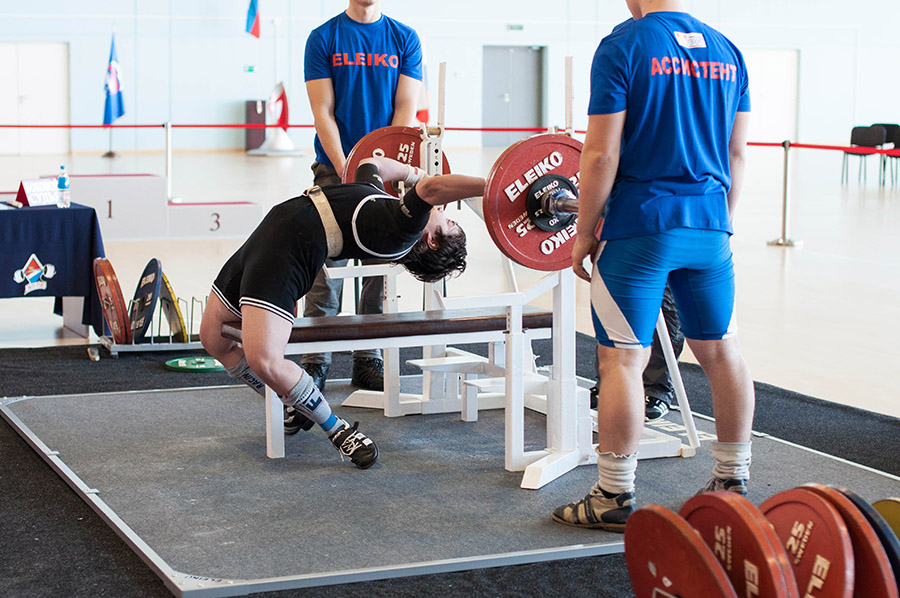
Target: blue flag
x=115 y=106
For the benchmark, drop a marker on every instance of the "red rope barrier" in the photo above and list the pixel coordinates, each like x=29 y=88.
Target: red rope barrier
x=499 y=129
x=241 y=126
x=81 y=126
x=840 y=148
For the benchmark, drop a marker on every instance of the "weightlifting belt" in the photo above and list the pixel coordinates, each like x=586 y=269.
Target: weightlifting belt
x=333 y=236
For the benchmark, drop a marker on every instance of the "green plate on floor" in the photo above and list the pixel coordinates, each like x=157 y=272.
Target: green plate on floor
x=195 y=364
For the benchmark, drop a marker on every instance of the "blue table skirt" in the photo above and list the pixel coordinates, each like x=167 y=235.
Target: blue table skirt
x=49 y=252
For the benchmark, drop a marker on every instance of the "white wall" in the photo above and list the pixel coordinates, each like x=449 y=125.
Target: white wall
x=185 y=61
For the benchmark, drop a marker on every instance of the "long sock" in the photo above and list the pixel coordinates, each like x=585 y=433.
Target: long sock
x=617 y=472
x=307 y=399
x=334 y=424
x=243 y=373
x=732 y=460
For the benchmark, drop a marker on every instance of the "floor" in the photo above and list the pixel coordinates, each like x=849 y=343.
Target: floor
x=201 y=517
x=820 y=319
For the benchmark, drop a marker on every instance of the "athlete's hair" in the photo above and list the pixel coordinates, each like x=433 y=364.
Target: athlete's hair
x=431 y=265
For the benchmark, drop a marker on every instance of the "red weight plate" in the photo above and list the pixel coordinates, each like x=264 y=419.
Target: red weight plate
x=112 y=301
x=505 y=200
x=667 y=557
x=817 y=542
x=735 y=530
x=144 y=303
x=885 y=534
x=403 y=144
x=783 y=559
x=873 y=576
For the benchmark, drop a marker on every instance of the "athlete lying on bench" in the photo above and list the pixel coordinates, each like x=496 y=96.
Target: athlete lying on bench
x=262 y=282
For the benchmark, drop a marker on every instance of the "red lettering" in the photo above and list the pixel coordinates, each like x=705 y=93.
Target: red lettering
x=713 y=70
x=394 y=61
x=360 y=58
x=676 y=65
x=705 y=66
x=655 y=68
x=336 y=60
x=347 y=60
x=666 y=65
x=695 y=68
x=381 y=60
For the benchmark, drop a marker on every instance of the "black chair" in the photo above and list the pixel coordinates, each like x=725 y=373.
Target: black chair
x=893 y=137
x=863 y=141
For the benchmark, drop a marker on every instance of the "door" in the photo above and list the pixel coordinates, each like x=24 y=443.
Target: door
x=513 y=92
x=36 y=93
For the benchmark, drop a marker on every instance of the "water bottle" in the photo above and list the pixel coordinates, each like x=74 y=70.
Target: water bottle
x=62 y=188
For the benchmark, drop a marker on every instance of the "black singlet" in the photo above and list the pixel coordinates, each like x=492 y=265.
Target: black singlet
x=277 y=264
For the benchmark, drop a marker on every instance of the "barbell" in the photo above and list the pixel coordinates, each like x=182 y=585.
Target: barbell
x=530 y=198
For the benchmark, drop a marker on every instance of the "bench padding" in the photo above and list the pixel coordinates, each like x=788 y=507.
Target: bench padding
x=418 y=323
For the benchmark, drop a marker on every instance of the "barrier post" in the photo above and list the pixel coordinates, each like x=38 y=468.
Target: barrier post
x=168 y=126
x=785 y=240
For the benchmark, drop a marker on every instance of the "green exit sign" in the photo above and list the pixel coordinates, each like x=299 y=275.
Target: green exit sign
x=249 y=68
x=515 y=27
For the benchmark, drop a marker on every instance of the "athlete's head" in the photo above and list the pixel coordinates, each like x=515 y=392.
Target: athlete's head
x=440 y=252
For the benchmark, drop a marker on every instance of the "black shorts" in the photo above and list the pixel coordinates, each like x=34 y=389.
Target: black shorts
x=277 y=264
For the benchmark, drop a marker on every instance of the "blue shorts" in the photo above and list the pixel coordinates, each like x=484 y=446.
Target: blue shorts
x=630 y=276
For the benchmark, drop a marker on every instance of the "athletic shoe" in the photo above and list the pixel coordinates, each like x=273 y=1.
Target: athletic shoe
x=318 y=372
x=654 y=408
x=598 y=510
x=294 y=421
x=355 y=445
x=738 y=486
x=368 y=373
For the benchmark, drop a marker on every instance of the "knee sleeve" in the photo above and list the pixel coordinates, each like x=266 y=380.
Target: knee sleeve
x=307 y=399
x=732 y=460
x=243 y=373
x=617 y=472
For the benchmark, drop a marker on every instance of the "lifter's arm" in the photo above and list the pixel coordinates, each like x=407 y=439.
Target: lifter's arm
x=436 y=191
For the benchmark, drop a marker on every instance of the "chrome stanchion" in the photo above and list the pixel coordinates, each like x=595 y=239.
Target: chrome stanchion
x=784 y=240
x=168 y=126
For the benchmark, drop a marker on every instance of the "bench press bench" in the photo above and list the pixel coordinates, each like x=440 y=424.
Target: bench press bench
x=393 y=331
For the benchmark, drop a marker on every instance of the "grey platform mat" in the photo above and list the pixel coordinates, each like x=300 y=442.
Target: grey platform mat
x=186 y=470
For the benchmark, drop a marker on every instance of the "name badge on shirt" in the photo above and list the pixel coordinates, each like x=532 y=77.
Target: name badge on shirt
x=690 y=40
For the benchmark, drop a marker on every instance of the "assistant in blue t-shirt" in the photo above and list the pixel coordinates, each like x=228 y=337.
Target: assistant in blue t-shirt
x=364 y=62
x=681 y=82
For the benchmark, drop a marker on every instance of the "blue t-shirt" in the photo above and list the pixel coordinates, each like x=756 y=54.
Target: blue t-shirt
x=682 y=82
x=364 y=62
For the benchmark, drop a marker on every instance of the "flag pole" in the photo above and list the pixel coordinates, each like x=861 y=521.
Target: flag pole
x=110 y=153
x=110 y=115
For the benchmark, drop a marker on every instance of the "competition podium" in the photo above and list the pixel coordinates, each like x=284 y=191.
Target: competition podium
x=134 y=206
